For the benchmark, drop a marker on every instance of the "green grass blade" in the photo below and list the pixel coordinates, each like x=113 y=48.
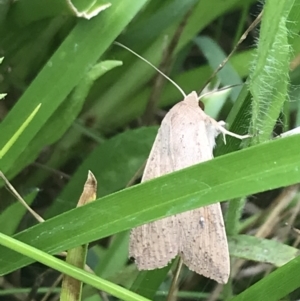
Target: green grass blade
x=64 y=116
x=8 y=225
x=262 y=250
x=70 y=270
x=215 y=56
x=269 y=78
x=17 y=134
x=274 y=286
x=80 y=50
x=267 y=166
x=115 y=257
x=148 y=282
x=124 y=154
x=27 y=11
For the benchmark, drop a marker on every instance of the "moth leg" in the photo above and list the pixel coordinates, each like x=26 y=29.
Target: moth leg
x=222 y=129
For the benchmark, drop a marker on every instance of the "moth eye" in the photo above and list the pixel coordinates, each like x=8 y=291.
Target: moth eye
x=201 y=105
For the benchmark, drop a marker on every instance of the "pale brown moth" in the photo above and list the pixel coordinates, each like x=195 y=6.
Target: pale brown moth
x=186 y=137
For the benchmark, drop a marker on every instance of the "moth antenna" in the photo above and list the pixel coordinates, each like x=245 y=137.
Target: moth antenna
x=242 y=38
x=150 y=64
x=216 y=91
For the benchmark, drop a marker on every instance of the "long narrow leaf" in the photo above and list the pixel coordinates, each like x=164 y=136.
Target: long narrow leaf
x=259 y=168
x=69 y=269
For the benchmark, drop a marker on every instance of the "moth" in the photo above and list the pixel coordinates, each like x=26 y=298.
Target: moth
x=186 y=137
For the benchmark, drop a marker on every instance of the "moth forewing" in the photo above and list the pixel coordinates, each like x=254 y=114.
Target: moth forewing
x=204 y=247
x=153 y=245
x=186 y=137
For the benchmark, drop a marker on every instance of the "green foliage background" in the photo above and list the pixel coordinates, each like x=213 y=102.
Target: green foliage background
x=75 y=103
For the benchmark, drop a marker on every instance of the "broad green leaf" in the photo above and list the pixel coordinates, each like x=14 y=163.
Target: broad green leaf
x=259 y=168
x=261 y=250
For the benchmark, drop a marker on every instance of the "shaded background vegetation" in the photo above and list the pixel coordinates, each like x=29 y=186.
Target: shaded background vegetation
x=98 y=113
